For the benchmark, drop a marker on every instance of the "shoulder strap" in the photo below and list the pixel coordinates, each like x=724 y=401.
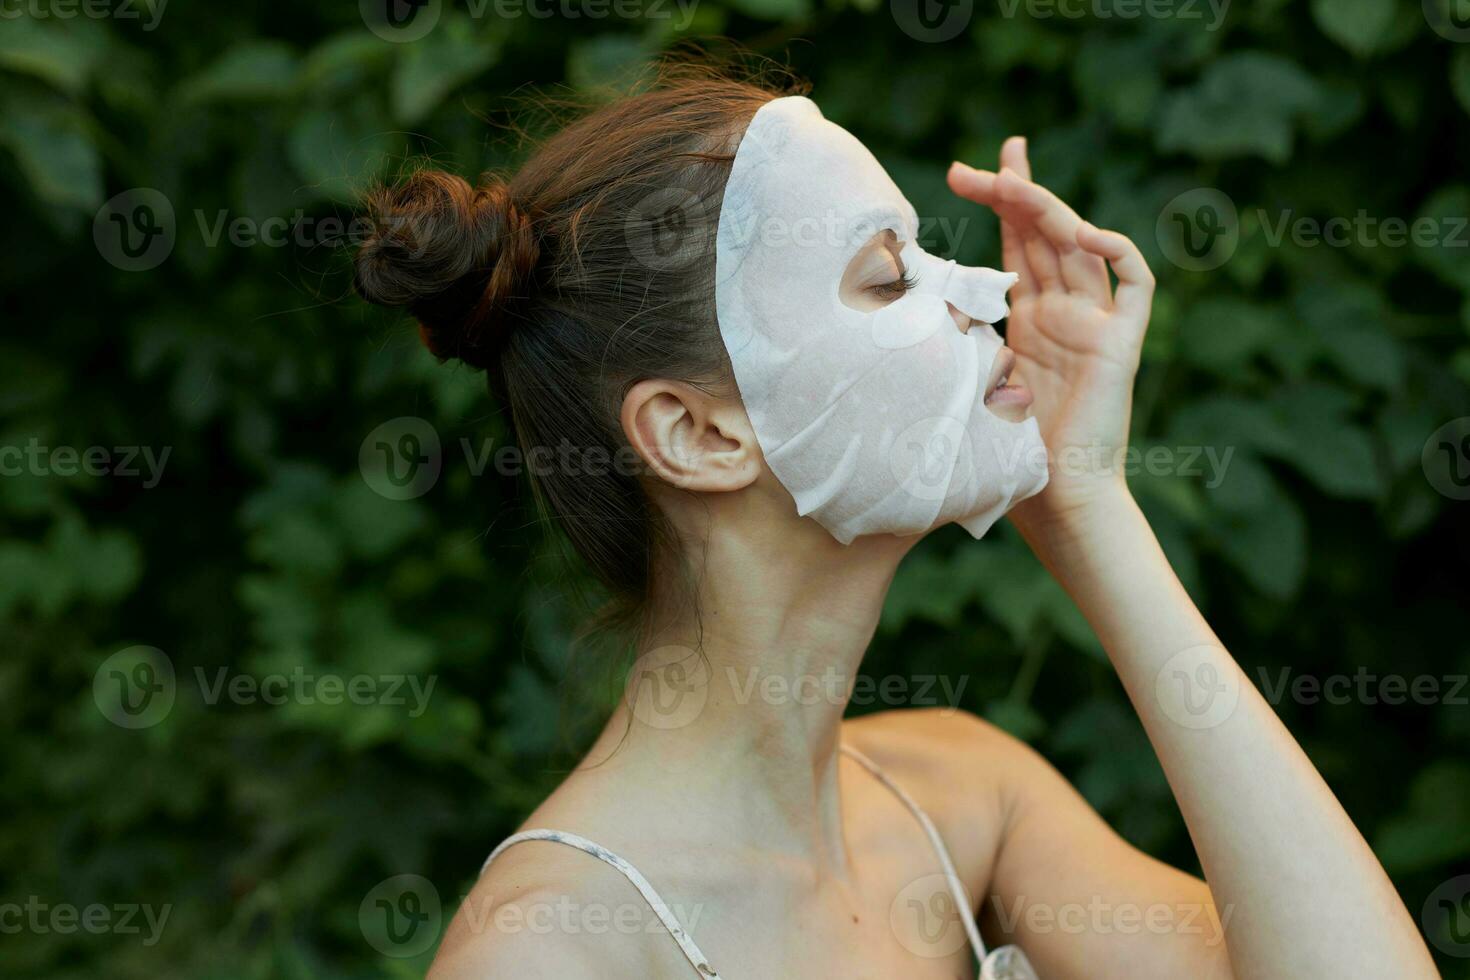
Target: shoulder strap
x=956 y=888
x=687 y=946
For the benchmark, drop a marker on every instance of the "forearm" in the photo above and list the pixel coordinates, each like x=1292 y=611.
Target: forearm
x=1304 y=894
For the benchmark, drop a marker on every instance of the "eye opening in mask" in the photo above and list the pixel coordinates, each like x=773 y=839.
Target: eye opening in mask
x=876 y=275
x=896 y=288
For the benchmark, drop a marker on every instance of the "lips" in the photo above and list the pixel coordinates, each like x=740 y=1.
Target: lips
x=1000 y=371
x=999 y=391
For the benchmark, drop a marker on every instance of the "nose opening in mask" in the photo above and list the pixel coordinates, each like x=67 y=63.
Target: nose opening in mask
x=962 y=321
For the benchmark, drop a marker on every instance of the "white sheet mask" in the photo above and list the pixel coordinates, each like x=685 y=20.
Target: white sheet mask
x=875 y=422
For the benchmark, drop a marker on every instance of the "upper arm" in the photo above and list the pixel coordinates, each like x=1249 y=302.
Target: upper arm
x=520 y=955
x=1054 y=878
x=1078 y=898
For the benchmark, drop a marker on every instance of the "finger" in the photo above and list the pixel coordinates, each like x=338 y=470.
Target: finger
x=1013 y=155
x=1013 y=255
x=1083 y=273
x=972 y=184
x=1041 y=252
x=978 y=185
x=1135 y=293
x=1012 y=242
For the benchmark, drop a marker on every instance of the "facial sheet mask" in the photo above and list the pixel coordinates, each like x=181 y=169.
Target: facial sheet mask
x=875 y=422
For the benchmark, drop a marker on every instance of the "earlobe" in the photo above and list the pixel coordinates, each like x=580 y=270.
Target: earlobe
x=690 y=439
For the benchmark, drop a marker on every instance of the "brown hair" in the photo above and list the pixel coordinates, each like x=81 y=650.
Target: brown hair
x=587 y=271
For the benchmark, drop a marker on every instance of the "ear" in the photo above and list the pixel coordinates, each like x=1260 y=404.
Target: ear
x=691 y=439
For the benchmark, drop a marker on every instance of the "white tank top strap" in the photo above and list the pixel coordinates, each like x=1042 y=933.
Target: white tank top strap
x=956 y=887
x=690 y=949
x=1002 y=963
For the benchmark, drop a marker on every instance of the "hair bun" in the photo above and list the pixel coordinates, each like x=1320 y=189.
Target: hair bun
x=460 y=258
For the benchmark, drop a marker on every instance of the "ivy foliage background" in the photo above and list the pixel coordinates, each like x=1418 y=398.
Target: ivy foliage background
x=262 y=549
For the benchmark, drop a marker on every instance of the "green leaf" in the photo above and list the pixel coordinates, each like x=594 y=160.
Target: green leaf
x=1224 y=421
x=1460 y=76
x=607 y=63
x=1360 y=26
x=1246 y=103
x=1326 y=446
x=53 y=144
x=341 y=150
x=1444 y=243
x=1023 y=41
x=255 y=70
x=774 y=9
x=1352 y=322
x=346 y=60
x=65 y=56
x=1434 y=827
x=1020 y=720
x=1268 y=543
x=370 y=524
x=436 y=64
x=1246 y=487
x=1122 y=76
x=1221 y=334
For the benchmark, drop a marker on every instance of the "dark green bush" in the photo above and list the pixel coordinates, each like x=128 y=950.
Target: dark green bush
x=262 y=547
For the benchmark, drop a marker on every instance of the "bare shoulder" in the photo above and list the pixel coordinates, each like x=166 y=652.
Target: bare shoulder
x=548 y=910
x=951 y=758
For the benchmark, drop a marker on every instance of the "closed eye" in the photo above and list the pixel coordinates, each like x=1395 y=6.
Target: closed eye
x=896 y=288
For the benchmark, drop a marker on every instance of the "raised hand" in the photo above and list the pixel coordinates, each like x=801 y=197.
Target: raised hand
x=1076 y=339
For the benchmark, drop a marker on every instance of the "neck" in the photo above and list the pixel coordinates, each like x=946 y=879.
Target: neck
x=738 y=697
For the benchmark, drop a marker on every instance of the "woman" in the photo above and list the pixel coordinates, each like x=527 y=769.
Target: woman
x=720 y=286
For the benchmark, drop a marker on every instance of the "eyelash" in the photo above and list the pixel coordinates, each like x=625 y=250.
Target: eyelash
x=896 y=288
